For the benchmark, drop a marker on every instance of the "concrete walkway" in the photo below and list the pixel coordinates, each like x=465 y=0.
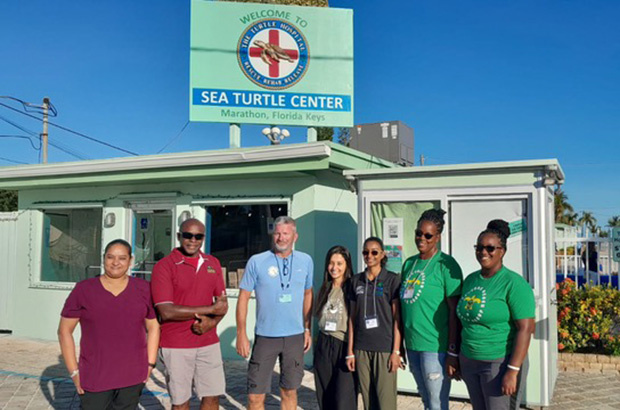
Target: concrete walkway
x=32 y=376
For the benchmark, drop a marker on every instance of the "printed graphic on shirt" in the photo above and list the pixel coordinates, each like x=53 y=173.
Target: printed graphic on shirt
x=333 y=310
x=411 y=289
x=210 y=269
x=273 y=271
x=379 y=290
x=471 y=305
x=359 y=290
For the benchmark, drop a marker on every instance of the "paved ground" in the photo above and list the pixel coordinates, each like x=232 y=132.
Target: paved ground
x=32 y=376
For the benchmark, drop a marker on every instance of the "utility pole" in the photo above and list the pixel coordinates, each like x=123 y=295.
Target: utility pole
x=422 y=160
x=44 y=135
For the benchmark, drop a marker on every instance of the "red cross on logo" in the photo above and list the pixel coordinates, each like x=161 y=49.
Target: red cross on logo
x=274 y=68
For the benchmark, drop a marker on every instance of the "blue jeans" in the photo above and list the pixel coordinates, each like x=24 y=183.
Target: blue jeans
x=429 y=371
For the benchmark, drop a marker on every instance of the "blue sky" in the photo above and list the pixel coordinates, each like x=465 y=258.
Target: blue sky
x=478 y=81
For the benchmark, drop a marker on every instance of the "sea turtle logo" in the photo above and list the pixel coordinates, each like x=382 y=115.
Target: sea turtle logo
x=273 y=54
x=471 y=306
x=413 y=287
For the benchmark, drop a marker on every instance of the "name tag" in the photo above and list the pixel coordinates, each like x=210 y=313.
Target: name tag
x=408 y=293
x=285 y=298
x=330 y=326
x=372 y=322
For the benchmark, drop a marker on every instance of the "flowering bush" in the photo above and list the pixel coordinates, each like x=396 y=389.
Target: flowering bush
x=588 y=318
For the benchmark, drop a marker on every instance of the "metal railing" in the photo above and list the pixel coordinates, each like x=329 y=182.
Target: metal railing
x=573 y=257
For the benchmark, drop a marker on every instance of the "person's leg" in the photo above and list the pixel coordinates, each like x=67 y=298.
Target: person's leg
x=291 y=369
x=415 y=367
x=362 y=366
x=209 y=378
x=495 y=398
x=127 y=398
x=323 y=370
x=385 y=382
x=180 y=365
x=469 y=374
x=96 y=400
x=436 y=380
x=264 y=355
x=343 y=389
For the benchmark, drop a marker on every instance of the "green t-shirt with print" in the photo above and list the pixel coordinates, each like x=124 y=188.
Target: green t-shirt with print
x=487 y=310
x=425 y=286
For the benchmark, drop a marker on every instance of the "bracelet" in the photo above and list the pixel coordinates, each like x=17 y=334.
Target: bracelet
x=515 y=368
x=350 y=357
x=396 y=351
x=306 y=330
x=74 y=373
x=153 y=365
x=452 y=354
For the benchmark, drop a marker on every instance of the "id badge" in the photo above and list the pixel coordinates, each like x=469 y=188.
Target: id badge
x=372 y=322
x=408 y=292
x=330 y=326
x=285 y=297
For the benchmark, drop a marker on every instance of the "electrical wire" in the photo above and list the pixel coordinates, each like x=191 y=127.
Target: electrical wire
x=26 y=130
x=66 y=149
x=175 y=138
x=30 y=107
x=71 y=131
x=21 y=137
x=13 y=161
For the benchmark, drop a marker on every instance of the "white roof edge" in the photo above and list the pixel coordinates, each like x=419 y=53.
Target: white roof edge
x=481 y=166
x=195 y=158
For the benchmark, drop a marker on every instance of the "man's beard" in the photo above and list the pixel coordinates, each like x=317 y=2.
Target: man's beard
x=281 y=248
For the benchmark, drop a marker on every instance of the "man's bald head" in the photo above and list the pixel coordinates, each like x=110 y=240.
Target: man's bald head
x=191 y=222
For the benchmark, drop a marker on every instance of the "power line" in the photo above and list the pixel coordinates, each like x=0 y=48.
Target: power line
x=12 y=161
x=71 y=131
x=175 y=138
x=22 y=137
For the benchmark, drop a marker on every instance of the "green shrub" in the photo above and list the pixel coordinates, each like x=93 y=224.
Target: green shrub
x=588 y=318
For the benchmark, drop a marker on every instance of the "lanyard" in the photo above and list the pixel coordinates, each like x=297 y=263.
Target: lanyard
x=374 y=297
x=285 y=265
x=422 y=271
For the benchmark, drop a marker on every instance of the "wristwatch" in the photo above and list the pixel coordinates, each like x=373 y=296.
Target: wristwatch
x=452 y=347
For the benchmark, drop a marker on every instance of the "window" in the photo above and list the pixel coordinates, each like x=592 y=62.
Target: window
x=236 y=232
x=71 y=244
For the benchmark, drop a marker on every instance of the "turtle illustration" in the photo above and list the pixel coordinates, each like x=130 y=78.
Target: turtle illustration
x=275 y=52
x=470 y=302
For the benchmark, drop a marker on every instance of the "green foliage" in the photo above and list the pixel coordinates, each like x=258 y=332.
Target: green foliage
x=8 y=201
x=563 y=210
x=344 y=136
x=614 y=221
x=588 y=319
x=324 y=134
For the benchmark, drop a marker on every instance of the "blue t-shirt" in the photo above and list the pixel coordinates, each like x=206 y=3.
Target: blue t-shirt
x=279 y=285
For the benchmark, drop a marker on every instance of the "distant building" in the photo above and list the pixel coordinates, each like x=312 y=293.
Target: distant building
x=390 y=140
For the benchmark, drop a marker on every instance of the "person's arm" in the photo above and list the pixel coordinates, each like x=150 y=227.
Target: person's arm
x=395 y=358
x=452 y=359
x=307 y=319
x=67 y=347
x=243 y=343
x=152 y=343
x=171 y=312
x=350 y=353
x=525 y=329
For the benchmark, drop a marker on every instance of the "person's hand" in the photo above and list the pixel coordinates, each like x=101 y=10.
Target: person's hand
x=307 y=340
x=243 y=345
x=453 y=368
x=509 y=382
x=148 y=374
x=351 y=362
x=203 y=324
x=394 y=363
x=221 y=305
x=78 y=386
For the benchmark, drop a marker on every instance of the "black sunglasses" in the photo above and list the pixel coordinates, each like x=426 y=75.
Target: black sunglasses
x=488 y=248
x=189 y=235
x=374 y=252
x=419 y=234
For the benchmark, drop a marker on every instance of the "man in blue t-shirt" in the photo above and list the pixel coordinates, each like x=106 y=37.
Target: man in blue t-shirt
x=281 y=279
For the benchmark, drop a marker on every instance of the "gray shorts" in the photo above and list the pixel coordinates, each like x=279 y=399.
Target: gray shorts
x=201 y=367
x=289 y=350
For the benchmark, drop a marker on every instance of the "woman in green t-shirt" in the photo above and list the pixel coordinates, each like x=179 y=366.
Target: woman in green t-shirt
x=497 y=311
x=429 y=292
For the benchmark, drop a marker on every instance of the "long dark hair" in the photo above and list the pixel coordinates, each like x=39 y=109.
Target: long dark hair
x=327 y=285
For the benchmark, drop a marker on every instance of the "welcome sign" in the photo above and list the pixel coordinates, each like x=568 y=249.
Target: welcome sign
x=271 y=64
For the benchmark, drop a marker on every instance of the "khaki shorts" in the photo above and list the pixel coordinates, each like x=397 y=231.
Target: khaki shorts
x=201 y=367
x=266 y=351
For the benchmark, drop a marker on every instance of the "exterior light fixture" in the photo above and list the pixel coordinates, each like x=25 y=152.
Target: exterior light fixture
x=275 y=134
x=109 y=220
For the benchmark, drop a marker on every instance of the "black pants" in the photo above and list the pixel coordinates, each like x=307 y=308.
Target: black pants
x=335 y=384
x=126 y=398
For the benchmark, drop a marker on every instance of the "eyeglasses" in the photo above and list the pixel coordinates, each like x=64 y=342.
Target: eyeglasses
x=374 y=252
x=419 y=234
x=488 y=248
x=189 y=235
x=284 y=267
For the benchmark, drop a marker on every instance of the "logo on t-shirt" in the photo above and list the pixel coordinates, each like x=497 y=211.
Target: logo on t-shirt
x=210 y=269
x=471 y=305
x=411 y=288
x=273 y=271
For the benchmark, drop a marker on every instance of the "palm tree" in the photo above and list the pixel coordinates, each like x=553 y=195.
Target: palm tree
x=614 y=221
x=587 y=218
x=569 y=218
x=560 y=200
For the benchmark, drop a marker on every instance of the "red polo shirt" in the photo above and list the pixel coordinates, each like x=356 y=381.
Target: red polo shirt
x=175 y=280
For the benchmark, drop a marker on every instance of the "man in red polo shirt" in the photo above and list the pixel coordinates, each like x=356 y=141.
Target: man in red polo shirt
x=190 y=296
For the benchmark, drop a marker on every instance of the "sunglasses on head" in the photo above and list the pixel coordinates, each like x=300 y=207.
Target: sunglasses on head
x=189 y=235
x=419 y=234
x=374 y=252
x=488 y=248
